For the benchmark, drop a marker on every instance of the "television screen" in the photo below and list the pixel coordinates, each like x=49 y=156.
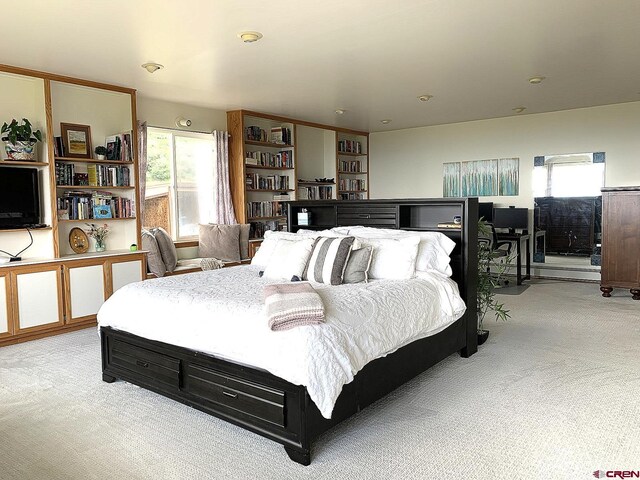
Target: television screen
x=485 y=211
x=516 y=218
x=19 y=197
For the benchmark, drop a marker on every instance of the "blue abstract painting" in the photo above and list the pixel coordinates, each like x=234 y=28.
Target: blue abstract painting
x=479 y=178
x=509 y=176
x=451 y=180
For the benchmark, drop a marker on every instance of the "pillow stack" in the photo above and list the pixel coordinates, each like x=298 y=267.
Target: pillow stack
x=162 y=256
x=229 y=243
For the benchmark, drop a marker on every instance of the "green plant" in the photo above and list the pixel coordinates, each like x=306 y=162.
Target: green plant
x=489 y=280
x=100 y=150
x=14 y=132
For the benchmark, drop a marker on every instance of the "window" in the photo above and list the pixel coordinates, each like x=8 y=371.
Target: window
x=179 y=192
x=568 y=176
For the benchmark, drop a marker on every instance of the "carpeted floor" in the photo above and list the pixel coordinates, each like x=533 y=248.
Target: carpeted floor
x=554 y=393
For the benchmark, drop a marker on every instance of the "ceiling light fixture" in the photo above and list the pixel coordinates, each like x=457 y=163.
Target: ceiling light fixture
x=425 y=98
x=152 y=66
x=183 y=122
x=519 y=109
x=339 y=111
x=536 y=80
x=249 y=37
x=386 y=121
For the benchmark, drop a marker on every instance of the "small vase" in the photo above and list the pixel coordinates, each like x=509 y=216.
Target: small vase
x=101 y=245
x=99 y=157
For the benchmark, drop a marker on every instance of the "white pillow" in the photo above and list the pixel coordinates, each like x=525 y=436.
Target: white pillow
x=262 y=256
x=289 y=259
x=433 y=251
x=393 y=258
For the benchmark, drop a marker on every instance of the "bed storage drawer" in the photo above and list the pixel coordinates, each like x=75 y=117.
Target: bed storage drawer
x=379 y=216
x=227 y=391
x=156 y=367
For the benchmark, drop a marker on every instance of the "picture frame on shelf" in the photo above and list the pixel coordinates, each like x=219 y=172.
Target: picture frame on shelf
x=76 y=140
x=101 y=211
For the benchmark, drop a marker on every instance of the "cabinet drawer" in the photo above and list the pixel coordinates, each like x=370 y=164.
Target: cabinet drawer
x=259 y=401
x=156 y=367
x=373 y=217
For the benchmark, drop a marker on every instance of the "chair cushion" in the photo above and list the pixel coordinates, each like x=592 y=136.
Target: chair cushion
x=155 y=264
x=219 y=241
x=167 y=248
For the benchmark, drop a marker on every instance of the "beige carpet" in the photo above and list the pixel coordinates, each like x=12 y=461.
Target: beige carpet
x=553 y=394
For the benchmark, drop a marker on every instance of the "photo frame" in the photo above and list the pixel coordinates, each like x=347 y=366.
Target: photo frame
x=101 y=211
x=76 y=140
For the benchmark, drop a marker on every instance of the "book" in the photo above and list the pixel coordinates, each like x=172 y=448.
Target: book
x=450 y=225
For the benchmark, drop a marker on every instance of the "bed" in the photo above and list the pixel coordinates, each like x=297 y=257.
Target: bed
x=291 y=386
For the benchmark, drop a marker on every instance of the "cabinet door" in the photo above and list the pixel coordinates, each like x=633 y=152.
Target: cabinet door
x=85 y=291
x=5 y=298
x=123 y=273
x=38 y=298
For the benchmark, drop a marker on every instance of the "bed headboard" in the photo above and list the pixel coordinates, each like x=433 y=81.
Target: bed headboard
x=411 y=214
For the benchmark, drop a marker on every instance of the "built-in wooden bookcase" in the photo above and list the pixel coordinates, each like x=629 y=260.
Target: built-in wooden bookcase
x=352 y=153
x=262 y=158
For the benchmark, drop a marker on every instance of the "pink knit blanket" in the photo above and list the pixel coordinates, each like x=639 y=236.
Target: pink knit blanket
x=289 y=305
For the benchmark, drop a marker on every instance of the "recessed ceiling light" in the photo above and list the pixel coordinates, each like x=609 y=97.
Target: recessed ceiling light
x=339 y=111
x=536 y=80
x=385 y=121
x=519 y=109
x=425 y=98
x=152 y=66
x=249 y=37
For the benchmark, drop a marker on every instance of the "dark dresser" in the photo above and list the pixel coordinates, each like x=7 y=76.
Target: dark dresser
x=620 y=240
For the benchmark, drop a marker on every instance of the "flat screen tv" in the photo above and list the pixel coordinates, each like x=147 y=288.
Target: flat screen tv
x=485 y=211
x=512 y=218
x=19 y=197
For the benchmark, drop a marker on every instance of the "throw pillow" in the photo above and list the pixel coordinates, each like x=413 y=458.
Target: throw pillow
x=358 y=265
x=328 y=260
x=155 y=264
x=167 y=248
x=289 y=259
x=219 y=241
x=393 y=258
x=244 y=240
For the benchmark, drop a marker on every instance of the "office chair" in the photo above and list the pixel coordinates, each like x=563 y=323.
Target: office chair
x=489 y=239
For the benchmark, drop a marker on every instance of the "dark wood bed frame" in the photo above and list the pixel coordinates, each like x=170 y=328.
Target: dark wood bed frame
x=274 y=408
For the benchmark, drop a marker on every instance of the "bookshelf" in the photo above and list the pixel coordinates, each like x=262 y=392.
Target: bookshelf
x=262 y=168
x=352 y=165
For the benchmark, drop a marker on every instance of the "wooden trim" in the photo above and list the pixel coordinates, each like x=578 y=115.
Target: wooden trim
x=300 y=122
x=52 y=171
x=10 y=163
x=91 y=160
x=62 y=78
x=8 y=306
x=186 y=243
x=235 y=126
x=66 y=269
x=28 y=336
x=136 y=166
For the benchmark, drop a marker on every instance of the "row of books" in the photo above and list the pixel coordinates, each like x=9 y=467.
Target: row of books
x=352 y=184
x=265 y=209
x=267 y=182
x=349 y=146
x=74 y=205
x=257 y=229
x=279 y=135
x=96 y=176
x=352 y=196
x=119 y=147
x=354 y=166
x=320 y=192
x=283 y=159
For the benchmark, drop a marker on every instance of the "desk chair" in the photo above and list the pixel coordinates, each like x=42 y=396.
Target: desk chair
x=489 y=239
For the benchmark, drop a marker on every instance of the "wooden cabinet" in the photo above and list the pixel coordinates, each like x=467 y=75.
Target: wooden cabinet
x=49 y=297
x=620 y=240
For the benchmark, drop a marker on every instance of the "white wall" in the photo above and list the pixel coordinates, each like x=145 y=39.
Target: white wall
x=408 y=163
x=160 y=113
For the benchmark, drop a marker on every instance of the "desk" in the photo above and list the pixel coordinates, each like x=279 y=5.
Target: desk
x=518 y=238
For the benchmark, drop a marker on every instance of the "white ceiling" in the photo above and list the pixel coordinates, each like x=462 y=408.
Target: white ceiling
x=371 y=58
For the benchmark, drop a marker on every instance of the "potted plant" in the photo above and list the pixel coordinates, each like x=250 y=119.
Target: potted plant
x=99 y=234
x=100 y=152
x=20 y=140
x=489 y=280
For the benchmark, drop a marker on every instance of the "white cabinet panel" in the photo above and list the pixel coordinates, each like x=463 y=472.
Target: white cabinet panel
x=86 y=289
x=38 y=300
x=123 y=273
x=4 y=306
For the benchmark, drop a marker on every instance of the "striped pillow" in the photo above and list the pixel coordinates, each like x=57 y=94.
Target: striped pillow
x=328 y=260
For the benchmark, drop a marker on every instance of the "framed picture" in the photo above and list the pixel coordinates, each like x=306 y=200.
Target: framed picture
x=76 y=140
x=101 y=211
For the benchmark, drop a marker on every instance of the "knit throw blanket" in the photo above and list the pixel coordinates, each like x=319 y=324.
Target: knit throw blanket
x=290 y=305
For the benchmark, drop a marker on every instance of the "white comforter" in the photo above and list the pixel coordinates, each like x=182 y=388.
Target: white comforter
x=220 y=312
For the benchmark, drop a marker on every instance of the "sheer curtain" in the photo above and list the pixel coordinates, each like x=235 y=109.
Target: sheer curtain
x=142 y=166
x=223 y=210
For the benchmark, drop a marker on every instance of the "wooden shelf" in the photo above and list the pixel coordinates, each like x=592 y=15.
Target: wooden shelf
x=351 y=154
x=268 y=190
x=351 y=191
x=281 y=146
x=316 y=183
x=92 y=187
x=23 y=162
x=352 y=173
x=261 y=167
x=258 y=219
x=94 y=220
x=91 y=160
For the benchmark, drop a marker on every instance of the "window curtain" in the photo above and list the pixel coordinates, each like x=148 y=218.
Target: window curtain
x=142 y=166
x=223 y=206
